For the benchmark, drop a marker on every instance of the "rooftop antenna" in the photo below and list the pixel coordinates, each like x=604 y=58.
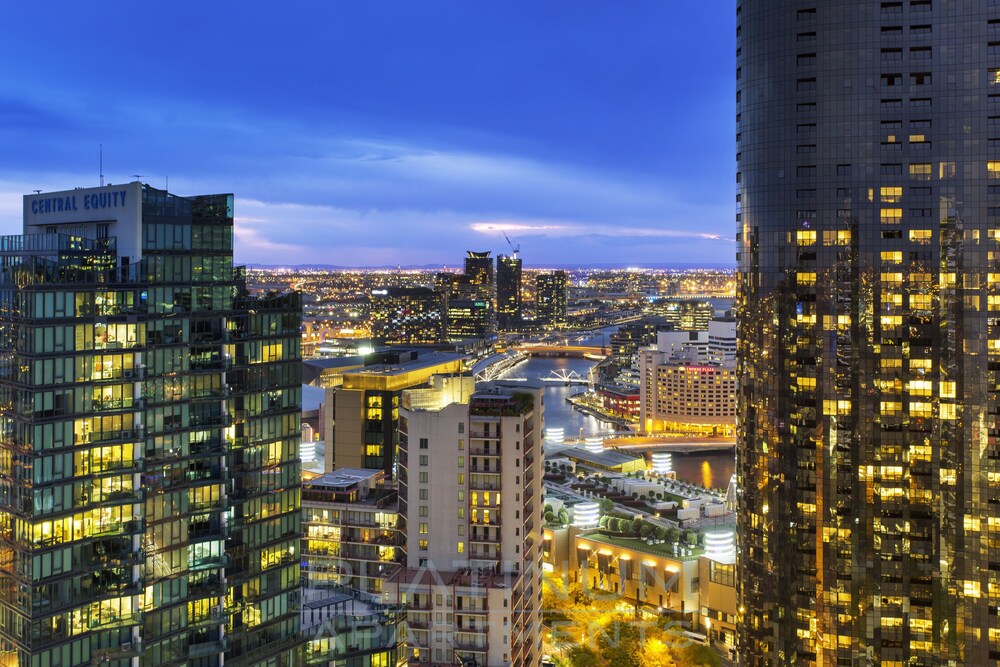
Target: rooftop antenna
x=38 y=192
x=137 y=176
x=167 y=186
x=102 y=164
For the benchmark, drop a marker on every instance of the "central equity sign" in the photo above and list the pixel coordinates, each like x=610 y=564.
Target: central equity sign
x=86 y=202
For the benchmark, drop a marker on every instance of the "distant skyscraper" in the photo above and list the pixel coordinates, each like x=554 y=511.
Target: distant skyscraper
x=469 y=299
x=508 y=291
x=149 y=437
x=479 y=270
x=407 y=316
x=869 y=340
x=551 y=297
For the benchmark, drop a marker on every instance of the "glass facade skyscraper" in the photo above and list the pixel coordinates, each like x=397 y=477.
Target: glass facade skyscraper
x=508 y=291
x=869 y=338
x=149 y=446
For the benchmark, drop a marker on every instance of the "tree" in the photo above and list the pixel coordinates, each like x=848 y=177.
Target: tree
x=636 y=526
x=696 y=655
x=583 y=656
x=603 y=522
x=672 y=534
x=646 y=530
x=661 y=533
x=605 y=506
x=620 y=643
x=548 y=516
x=563 y=516
x=689 y=537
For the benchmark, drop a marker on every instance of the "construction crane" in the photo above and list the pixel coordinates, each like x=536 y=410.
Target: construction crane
x=515 y=248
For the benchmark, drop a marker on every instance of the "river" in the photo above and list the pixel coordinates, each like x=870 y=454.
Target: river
x=713 y=470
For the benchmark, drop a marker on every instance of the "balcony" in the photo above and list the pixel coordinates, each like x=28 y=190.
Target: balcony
x=125 y=435
x=480 y=484
x=122 y=651
x=485 y=539
x=202 y=649
x=113 y=404
x=478 y=450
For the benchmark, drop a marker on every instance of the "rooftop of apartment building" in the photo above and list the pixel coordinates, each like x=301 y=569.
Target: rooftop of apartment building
x=357 y=486
x=501 y=401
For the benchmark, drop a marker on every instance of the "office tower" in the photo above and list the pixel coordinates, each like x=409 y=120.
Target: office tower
x=550 y=298
x=150 y=434
x=469 y=318
x=470 y=505
x=683 y=314
x=626 y=341
x=869 y=336
x=362 y=414
x=508 y=292
x=407 y=316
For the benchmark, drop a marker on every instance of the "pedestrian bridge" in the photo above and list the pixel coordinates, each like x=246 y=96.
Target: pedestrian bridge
x=588 y=351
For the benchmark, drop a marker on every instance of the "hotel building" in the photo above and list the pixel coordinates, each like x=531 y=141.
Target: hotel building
x=149 y=436
x=868 y=238
x=687 y=382
x=470 y=487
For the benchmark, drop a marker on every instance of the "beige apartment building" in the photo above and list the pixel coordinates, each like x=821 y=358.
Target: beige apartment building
x=470 y=499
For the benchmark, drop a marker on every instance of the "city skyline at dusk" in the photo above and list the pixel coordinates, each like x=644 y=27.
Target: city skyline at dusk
x=368 y=135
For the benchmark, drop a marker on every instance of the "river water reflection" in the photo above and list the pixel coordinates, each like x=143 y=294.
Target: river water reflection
x=712 y=470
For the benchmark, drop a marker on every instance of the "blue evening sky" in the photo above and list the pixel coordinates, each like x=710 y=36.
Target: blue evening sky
x=367 y=132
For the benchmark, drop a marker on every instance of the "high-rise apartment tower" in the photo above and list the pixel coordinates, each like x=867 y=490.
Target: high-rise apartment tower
x=551 y=297
x=149 y=437
x=508 y=291
x=868 y=152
